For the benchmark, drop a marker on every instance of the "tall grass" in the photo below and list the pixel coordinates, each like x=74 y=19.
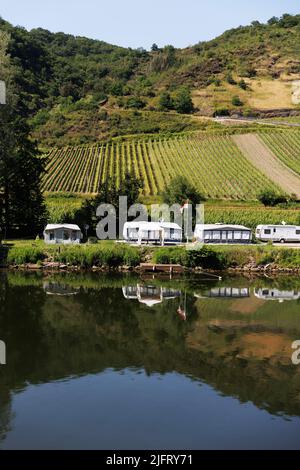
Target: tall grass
x=92 y=255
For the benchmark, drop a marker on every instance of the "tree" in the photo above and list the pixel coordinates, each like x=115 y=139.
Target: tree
x=109 y=193
x=180 y=190
x=273 y=20
x=165 y=101
x=230 y=79
x=183 y=101
x=154 y=48
x=22 y=208
x=242 y=84
x=236 y=101
x=271 y=198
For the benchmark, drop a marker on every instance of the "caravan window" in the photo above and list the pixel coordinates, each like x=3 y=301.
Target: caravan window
x=267 y=232
x=297 y=232
x=132 y=233
x=51 y=235
x=66 y=235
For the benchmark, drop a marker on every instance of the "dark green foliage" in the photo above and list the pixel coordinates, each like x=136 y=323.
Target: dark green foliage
x=135 y=103
x=230 y=79
x=69 y=78
x=183 y=103
x=203 y=257
x=242 y=84
x=271 y=198
x=236 y=101
x=165 y=101
x=154 y=48
x=22 y=209
x=180 y=190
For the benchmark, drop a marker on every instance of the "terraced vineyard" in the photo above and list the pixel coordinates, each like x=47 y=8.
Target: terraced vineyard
x=286 y=146
x=214 y=164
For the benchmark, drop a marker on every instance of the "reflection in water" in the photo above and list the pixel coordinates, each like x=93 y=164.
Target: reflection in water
x=149 y=295
x=276 y=294
x=225 y=292
x=56 y=288
x=130 y=376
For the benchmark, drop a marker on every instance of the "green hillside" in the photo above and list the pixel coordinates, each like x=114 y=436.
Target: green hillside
x=213 y=163
x=79 y=90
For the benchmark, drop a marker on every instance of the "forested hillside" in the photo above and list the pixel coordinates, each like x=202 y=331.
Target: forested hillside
x=80 y=90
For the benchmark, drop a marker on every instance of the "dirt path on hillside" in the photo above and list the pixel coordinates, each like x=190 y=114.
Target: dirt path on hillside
x=262 y=157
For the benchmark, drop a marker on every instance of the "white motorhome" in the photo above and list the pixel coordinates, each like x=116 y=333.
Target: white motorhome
x=278 y=233
x=152 y=232
x=222 y=233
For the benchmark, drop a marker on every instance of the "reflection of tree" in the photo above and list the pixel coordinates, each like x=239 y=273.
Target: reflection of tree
x=5 y=404
x=5 y=412
x=222 y=342
x=20 y=312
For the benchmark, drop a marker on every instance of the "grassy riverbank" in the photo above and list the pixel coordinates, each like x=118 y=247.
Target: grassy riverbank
x=110 y=255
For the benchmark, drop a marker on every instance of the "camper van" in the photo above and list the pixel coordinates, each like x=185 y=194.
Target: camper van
x=278 y=233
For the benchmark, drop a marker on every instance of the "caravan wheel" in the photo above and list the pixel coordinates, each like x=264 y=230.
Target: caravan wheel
x=282 y=240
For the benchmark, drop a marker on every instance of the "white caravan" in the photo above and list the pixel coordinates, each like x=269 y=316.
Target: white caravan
x=222 y=233
x=278 y=233
x=152 y=232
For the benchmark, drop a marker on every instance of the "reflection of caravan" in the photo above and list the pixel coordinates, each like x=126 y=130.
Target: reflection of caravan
x=55 y=288
x=149 y=295
x=222 y=233
x=225 y=293
x=278 y=233
x=275 y=294
x=152 y=232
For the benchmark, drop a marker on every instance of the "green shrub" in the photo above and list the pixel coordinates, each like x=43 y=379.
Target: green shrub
x=236 y=101
x=23 y=255
x=271 y=198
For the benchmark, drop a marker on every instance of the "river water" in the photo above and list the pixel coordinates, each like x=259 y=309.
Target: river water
x=120 y=362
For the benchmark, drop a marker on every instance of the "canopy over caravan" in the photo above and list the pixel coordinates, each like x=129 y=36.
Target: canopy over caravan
x=278 y=233
x=152 y=232
x=222 y=233
x=62 y=233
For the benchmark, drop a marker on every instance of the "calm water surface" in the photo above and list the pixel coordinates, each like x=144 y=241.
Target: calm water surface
x=98 y=362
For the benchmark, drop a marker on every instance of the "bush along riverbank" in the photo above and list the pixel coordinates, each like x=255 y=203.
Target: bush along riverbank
x=112 y=256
